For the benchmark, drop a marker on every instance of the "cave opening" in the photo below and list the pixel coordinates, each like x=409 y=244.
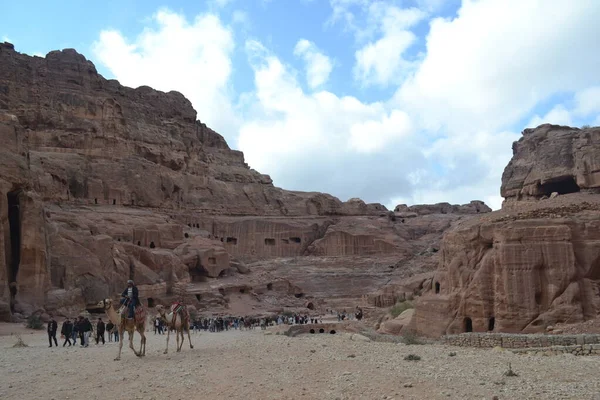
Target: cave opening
x=321 y=330
x=198 y=273
x=491 y=323
x=563 y=185
x=199 y=297
x=310 y=306
x=468 y=325
x=232 y=240
x=269 y=242
x=437 y=288
x=295 y=240
x=14 y=222
x=152 y=245
x=299 y=295
x=269 y=286
x=114 y=202
x=150 y=302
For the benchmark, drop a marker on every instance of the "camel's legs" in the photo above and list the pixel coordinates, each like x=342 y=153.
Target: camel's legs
x=178 y=331
x=131 y=333
x=168 y=334
x=142 y=351
x=121 y=332
x=190 y=339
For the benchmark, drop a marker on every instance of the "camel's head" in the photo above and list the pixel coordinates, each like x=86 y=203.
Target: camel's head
x=105 y=304
x=161 y=310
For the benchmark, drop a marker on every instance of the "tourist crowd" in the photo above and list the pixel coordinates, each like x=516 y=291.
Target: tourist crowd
x=81 y=328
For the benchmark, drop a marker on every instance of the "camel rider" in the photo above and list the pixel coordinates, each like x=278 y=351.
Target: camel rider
x=130 y=298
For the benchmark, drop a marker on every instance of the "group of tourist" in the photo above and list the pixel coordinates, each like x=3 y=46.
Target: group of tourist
x=344 y=315
x=81 y=328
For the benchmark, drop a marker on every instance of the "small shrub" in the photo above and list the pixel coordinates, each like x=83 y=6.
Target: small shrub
x=412 y=357
x=20 y=342
x=585 y=127
x=411 y=337
x=510 y=372
x=35 y=322
x=400 y=307
x=452 y=354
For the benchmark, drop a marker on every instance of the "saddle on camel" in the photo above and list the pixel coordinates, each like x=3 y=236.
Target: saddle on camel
x=130 y=318
x=178 y=319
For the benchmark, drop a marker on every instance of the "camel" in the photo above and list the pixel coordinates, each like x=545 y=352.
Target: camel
x=179 y=321
x=122 y=323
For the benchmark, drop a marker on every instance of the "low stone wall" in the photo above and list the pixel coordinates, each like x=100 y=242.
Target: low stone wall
x=579 y=350
x=518 y=341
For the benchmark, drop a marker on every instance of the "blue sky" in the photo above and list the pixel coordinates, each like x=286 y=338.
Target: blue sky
x=391 y=101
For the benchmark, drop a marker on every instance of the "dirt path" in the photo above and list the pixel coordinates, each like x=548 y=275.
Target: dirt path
x=251 y=365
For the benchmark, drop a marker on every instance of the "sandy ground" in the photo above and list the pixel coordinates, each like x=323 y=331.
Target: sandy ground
x=252 y=365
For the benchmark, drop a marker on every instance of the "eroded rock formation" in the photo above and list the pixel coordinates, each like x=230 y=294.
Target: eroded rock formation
x=534 y=263
x=550 y=159
x=100 y=183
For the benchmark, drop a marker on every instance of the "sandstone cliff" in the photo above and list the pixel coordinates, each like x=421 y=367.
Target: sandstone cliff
x=535 y=262
x=100 y=183
x=552 y=159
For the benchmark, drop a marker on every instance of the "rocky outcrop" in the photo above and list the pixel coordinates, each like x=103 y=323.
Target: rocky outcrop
x=534 y=263
x=474 y=207
x=552 y=159
x=100 y=183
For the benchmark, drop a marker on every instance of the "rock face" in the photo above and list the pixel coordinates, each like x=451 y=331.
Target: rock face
x=534 y=263
x=100 y=183
x=551 y=159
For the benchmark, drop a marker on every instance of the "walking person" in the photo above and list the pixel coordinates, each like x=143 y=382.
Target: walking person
x=87 y=329
x=109 y=328
x=100 y=327
x=52 y=328
x=66 y=330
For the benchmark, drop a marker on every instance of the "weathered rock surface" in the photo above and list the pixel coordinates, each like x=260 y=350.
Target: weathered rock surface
x=552 y=158
x=100 y=183
x=530 y=265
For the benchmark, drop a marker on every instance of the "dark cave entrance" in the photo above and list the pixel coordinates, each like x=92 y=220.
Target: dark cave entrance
x=491 y=324
x=468 y=325
x=150 y=302
x=437 y=288
x=198 y=273
x=14 y=222
x=563 y=185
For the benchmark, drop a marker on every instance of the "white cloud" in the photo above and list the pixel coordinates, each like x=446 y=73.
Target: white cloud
x=559 y=115
x=192 y=57
x=588 y=101
x=491 y=65
x=385 y=36
x=6 y=39
x=318 y=65
x=320 y=141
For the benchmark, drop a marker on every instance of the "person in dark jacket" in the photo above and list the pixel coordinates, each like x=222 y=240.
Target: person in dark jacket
x=130 y=298
x=87 y=329
x=52 y=328
x=100 y=331
x=109 y=328
x=67 y=330
x=79 y=324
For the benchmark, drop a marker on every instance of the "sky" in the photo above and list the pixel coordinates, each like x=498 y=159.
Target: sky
x=395 y=101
